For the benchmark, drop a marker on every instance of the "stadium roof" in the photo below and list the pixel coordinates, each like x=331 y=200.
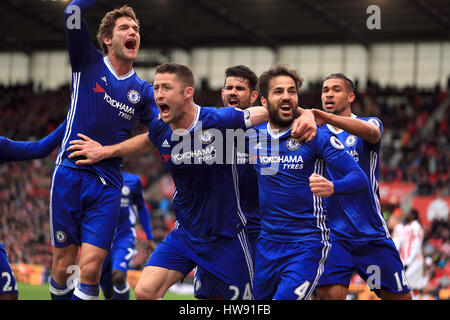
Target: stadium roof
x=29 y=25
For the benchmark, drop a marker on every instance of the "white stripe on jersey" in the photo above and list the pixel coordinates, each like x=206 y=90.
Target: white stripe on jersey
x=248 y=255
x=236 y=188
x=325 y=252
x=318 y=208
x=70 y=116
x=52 y=235
x=374 y=185
x=325 y=232
x=175 y=191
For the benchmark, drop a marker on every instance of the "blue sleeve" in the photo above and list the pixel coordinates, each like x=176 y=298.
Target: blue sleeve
x=351 y=177
x=81 y=50
x=375 y=146
x=27 y=150
x=353 y=181
x=231 y=118
x=149 y=110
x=144 y=214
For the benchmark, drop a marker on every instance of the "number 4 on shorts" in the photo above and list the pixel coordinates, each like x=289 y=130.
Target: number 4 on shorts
x=301 y=290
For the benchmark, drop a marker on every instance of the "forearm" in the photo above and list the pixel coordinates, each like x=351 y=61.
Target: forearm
x=77 y=32
x=357 y=127
x=24 y=150
x=144 y=217
x=133 y=146
x=28 y=150
x=258 y=115
x=354 y=181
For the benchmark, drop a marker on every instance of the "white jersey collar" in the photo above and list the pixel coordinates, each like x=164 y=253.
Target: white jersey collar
x=111 y=69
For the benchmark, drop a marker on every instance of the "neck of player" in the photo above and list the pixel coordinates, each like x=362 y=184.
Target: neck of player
x=277 y=127
x=121 y=66
x=187 y=117
x=347 y=112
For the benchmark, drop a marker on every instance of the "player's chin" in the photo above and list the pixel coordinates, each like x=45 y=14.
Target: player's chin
x=130 y=54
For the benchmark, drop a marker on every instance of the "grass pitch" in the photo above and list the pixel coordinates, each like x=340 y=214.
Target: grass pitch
x=40 y=292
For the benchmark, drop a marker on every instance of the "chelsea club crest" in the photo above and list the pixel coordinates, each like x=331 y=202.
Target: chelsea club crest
x=206 y=137
x=350 y=141
x=133 y=96
x=292 y=144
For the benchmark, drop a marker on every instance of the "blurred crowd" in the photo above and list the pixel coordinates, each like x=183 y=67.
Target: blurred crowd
x=414 y=149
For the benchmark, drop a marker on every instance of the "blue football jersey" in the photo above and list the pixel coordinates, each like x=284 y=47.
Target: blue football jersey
x=132 y=204
x=104 y=105
x=359 y=216
x=248 y=190
x=289 y=210
x=201 y=163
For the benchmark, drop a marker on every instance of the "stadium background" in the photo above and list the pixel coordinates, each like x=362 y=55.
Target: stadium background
x=402 y=71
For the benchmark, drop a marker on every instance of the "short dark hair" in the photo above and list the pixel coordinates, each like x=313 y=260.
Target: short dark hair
x=413 y=212
x=348 y=83
x=278 y=70
x=241 y=71
x=180 y=70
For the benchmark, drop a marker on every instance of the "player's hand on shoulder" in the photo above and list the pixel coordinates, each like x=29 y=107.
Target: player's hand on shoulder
x=321 y=117
x=320 y=186
x=304 y=127
x=88 y=148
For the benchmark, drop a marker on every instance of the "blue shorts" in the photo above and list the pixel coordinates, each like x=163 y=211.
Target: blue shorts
x=123 y=250
x=8 y=283
x=377 y=262
x=208 y=286
x=228 y=261
x=83 y=208
x=288 y=270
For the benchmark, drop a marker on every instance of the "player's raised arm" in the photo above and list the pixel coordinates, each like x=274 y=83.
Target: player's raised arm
x=360 y=128
x=11 y=150
x=95 y=152
x=77 y=32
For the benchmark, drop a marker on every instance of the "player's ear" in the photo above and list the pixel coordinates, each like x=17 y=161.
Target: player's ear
x=351 y=97
x=188 y=93
x=107 y=41
x=223 y=94
x=264 y=102
x=253 y=97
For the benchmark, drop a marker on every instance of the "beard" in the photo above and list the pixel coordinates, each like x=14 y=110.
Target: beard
x=281 y=122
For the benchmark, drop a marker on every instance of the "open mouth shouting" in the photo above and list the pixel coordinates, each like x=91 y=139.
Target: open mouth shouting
x=233 y=102
x=285 y=109
x=164 y=109
x=131 y=45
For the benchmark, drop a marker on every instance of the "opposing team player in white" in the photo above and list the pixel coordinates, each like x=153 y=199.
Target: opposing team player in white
x=408 y=238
